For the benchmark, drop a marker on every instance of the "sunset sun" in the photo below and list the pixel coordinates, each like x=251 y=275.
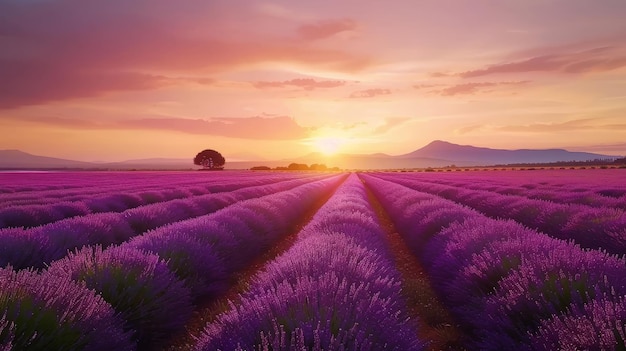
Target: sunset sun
x=328 y=145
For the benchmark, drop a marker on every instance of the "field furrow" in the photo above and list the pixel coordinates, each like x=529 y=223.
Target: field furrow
x=38 y=246
x=591 y=227
x=436 y=326
x=209 y=308
x=117 y=200
x=509 y=286
x=335 y=288
x=152 y=281
x=565 y=187
x=316 y=261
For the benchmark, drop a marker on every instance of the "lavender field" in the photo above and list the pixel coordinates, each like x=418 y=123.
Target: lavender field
x=498 y=260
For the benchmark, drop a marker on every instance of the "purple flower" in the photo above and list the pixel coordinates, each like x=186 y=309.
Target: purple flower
x=139 y=286
x=198 y=264
x=334 y=289
x=47 y=312
x=598 y=325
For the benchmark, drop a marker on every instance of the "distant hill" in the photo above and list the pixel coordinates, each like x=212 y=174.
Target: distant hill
x=441 y=153
x=481 y=156
x=15 y=159
x=436 y=154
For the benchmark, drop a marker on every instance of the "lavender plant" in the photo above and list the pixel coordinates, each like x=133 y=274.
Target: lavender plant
x=506 y=282
x=47 y=312
x=332 y=290
x=598 y=325
x=592 y=227
x=198 y=264
x=139 y=286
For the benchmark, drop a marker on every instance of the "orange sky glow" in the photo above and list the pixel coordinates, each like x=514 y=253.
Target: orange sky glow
x=116 y=80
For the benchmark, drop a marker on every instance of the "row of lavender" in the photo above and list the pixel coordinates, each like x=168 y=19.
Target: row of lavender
x=602 y=188
x=24 y=183
x=95 y=184
x=38 y=246
x=44 y=207
x=336 y=288
x=138 y=294
x=591 y=227
x=511 y=287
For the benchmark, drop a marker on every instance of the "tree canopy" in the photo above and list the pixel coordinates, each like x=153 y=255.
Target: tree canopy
x=210 y=159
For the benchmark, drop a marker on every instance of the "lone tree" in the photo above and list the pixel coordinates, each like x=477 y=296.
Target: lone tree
x=210 y=160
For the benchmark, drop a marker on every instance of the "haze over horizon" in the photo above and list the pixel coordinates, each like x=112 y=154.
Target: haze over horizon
x=121 y=80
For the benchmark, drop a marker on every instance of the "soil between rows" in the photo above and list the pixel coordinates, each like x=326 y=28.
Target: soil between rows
x=435 y=325
x=206 y=312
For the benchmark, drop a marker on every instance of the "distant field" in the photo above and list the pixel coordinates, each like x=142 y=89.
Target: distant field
x=239 y=260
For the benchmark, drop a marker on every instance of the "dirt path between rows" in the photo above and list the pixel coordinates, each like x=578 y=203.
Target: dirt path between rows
x=208 y=311
x=436 y=326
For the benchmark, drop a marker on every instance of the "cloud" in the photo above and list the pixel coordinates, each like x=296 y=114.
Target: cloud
x=390 y=123
x=68 y=123
x=37 y=82
x=369 y=93
x=440 y=75
x=473 y=88
x=599 y=59
x=304 y=83
x=90 y=48
x=581 y=124
x=572 y=125
x=256 y=128
x=426 y=86
x=326 y=29
x=467 y=88
x=469 y=129
x=264 y=128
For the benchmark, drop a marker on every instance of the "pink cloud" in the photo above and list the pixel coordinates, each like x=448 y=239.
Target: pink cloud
x=74 y=44
x=553 y=127
x=304 y=83
x=325 y=29
x=256 y=128
x=370 y=93
x=593 y=60
x=472 y=88
x=440 y=75
x=390 y=123
x=262 y=128
x=33 y=82
x=426 y=86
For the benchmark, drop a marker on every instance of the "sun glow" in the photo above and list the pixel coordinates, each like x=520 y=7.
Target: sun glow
x=328 y=145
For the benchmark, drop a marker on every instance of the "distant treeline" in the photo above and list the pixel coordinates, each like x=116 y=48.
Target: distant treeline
x=596 y=162
x=297 y=167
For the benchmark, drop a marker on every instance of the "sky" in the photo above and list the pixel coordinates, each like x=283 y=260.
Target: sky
x=116 y=80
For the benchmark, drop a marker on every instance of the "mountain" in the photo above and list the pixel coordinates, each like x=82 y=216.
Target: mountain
x=480 y=156
x=15 y=159
x=436 y=154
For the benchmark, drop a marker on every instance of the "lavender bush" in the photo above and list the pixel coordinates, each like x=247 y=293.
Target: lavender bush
x=46 y=312
x=598 y=325
x=41 y=245
x=198 y=264
x=503 y=281
x=592 y=227
x=139 y=286
x=332 y=290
